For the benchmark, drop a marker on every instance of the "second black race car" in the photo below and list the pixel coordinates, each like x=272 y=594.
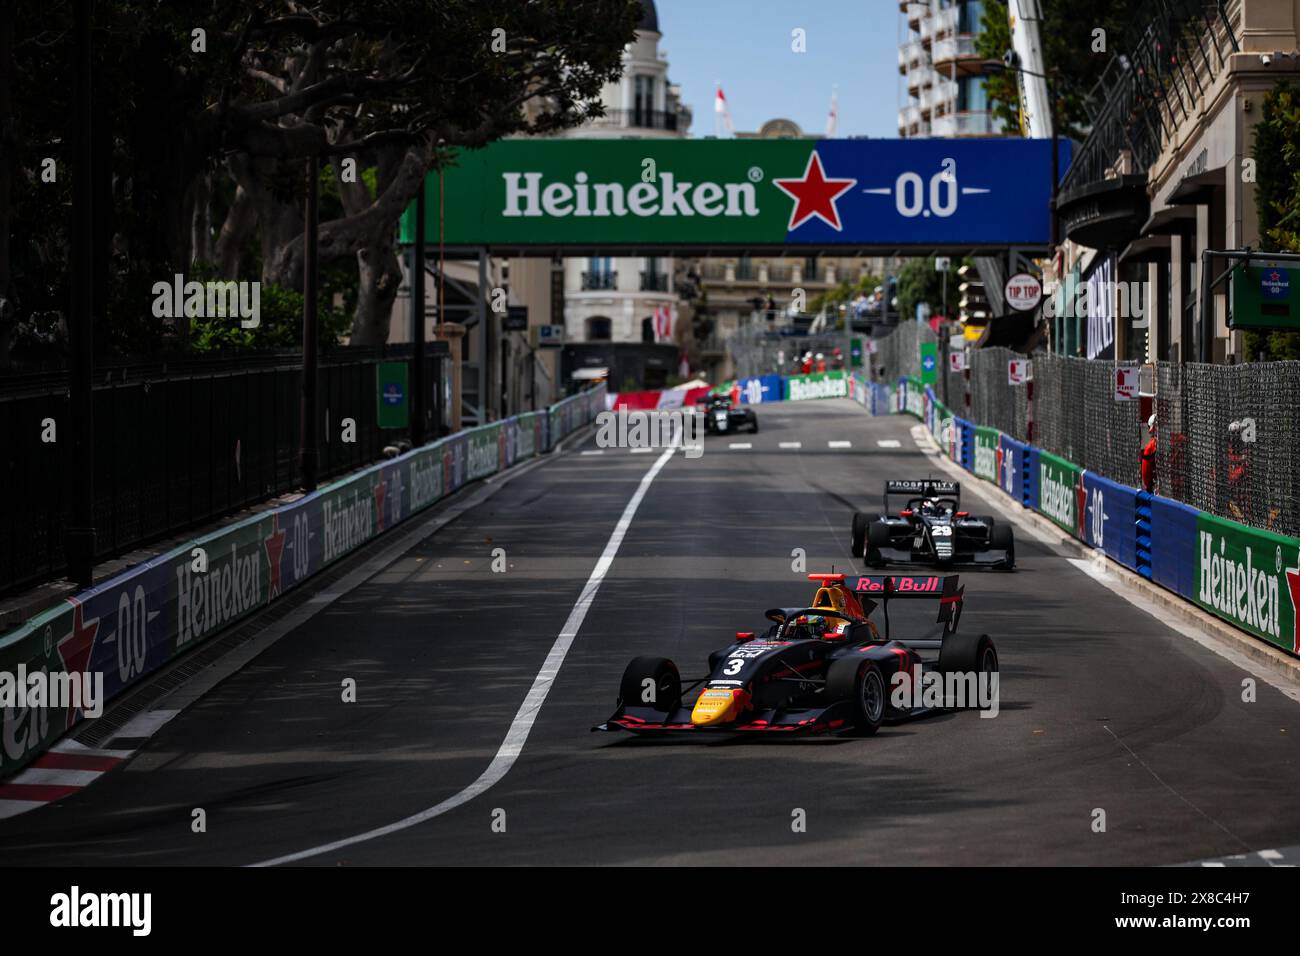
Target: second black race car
x=721 y=417
x=932 y=529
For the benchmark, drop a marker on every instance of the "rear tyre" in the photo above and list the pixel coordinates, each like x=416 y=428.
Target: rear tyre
x=877 y=538
x=654 y=677
x=861 y=522
x=1002 y=538
x=970 y=654
x=863 y=684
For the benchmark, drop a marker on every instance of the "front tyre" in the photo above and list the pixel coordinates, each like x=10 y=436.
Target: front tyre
x=877 y=538
x=651 y=682
x=1001 y=538
x=862 y=683
x=861 y=522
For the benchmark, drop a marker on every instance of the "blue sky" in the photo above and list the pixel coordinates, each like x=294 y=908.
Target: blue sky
x=746 y=45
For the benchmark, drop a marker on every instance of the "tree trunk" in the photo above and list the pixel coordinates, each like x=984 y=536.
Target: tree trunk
x=240 y=220
x=8 y=142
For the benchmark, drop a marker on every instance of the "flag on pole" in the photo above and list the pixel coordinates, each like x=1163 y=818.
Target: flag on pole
x=663 y=323
x=720 y=108
x=833 y=117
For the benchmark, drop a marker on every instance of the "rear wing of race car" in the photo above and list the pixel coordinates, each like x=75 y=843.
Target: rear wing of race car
x=922 y=488
x=946 y=589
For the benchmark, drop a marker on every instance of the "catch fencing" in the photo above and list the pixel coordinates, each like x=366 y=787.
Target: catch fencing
x=1228 y=436
x=180 y=446
x=1228 y=441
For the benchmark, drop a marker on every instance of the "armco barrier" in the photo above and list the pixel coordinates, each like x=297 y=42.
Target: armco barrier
x=1247 y=577
x=799 y=388
x=986 y=453
x=1060 y=485
x=1173 y=540
x=1109 y=518
x=133 y=623
x=1011 y=466
x=759 y=389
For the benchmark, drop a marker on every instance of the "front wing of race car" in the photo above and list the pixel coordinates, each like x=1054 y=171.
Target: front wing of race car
x=647 y=720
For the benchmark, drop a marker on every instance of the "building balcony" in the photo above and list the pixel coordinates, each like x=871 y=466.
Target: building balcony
x=915 y=12
x=941 y=93
x=915 y=54
x=655 y=282
x=594 y=281
x=956 y=52
x=965 y=123
x=640 y=119
x=920 y=78
x=909 y=116
x=941 y=23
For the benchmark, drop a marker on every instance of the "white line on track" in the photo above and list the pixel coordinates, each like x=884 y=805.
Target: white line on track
x=791 y=444
x=889 y=443
x=839 y=444
x=520 y=727
x=592 y=451
x=741 y=444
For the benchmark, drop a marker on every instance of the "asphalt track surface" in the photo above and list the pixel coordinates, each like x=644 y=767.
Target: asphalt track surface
x=1103 y=706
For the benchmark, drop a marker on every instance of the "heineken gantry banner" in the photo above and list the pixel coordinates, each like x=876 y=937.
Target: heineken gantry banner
x=799 y=388
x=853 y=192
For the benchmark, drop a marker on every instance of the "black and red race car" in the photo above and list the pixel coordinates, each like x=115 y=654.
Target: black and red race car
x=821 y=668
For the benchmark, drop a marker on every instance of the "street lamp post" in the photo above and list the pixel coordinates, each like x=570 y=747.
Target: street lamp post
x=310 y=446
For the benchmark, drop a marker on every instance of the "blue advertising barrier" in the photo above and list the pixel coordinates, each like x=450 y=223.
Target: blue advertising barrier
x=966 y=433
x=1173 y=538
x=1030 y=497
x=1011 y=467
x=759 y=389
x=1143 y=522
x=1109 y=520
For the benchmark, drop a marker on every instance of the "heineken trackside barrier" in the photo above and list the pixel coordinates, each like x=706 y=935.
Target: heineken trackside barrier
x=1059 y=488
x=133 y=623
x=1173 y=538
x=759 y=389
x=1248 y=577
x=1109 y=518
x=799 y=388
x=1014 y=471
x=986 y=453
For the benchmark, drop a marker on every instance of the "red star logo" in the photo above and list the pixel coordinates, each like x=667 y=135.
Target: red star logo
x=76 y=647
x=274 y=545
x=1293 y=585
x=814 y=195
x=381 y=489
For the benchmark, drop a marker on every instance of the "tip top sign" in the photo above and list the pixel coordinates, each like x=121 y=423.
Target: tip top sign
x=1023 y=292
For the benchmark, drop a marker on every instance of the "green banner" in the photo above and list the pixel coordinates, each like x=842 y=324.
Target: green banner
x=1059 y=483
x=1265 y=295
x=392 y=395
x=986 y=453
x=1249 y=577
x=929 y=363
x=799 y=388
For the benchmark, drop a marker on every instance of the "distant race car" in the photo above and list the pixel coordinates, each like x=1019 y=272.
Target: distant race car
x=823 y=668
x=932 y=530
x=721 y=416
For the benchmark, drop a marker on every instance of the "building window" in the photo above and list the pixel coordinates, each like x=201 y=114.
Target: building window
x=643 y=101
x=972 y=97
x=599 y=329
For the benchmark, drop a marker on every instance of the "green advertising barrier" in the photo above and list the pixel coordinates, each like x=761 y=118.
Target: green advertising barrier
x=1250 y=578
x=1058 y=490
x=986 y=453
x=800 y=388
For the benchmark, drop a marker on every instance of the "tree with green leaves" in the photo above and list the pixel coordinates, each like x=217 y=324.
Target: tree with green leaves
x=1276 y=151
x=205 y=118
